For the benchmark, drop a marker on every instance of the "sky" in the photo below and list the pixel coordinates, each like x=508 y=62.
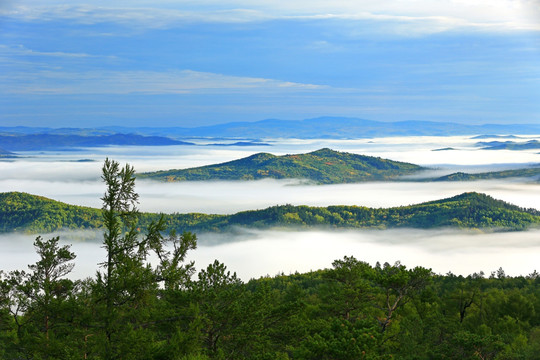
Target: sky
x=194 y=63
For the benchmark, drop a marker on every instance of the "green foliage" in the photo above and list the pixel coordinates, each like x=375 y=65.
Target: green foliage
x=517 y=173
x=39 y=304
x=126 y=289
x=350 y=311
x=324 y=166
x=31 y=213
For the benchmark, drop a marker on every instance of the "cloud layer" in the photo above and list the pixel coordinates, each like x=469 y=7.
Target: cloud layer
x=208 y=62
x=419 y=16
x=140 y=82
x=258 y=253
x=52 y=175
x=253 y=254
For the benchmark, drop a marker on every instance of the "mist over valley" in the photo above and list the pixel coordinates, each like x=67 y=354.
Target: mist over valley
x=254 y=253
x=251 y=253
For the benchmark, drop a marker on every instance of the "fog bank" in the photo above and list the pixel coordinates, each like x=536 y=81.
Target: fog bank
x=252 y=254
x=227 y=197
x=59 y=176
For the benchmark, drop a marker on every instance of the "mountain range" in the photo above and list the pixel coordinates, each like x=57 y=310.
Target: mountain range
x=322 y=127
x=38 y=142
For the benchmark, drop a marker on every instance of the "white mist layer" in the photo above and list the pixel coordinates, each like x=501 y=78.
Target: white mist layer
x=59 y=176
x=271 y=252
x=252 y=254
x=226 y=197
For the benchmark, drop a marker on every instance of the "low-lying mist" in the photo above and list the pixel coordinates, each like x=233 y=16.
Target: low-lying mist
x=254 y=253
x=59 y=175
x=226 y=197
x=62 y=176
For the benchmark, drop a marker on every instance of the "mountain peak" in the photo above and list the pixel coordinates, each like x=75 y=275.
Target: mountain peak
x=323 y=166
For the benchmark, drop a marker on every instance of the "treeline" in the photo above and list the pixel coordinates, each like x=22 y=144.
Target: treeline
x=34 y=214
x=350 y=311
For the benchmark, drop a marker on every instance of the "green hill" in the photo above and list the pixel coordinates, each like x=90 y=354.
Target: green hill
x=517 y=173
x=34 y=214
x=324 y=166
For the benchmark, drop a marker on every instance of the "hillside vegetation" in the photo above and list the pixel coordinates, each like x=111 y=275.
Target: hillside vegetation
x=517 y=173
x=33 y=214
x=324 y=166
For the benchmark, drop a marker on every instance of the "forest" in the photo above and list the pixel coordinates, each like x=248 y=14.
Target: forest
x=324 y=166
x=35 y=214
x=532 y=173
x=165 y=309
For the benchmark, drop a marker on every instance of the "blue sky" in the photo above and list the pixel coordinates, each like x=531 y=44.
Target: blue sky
x=190 y=63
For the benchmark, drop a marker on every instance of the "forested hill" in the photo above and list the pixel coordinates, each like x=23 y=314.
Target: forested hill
x=516 y=173
x=32 y=213
x=324 y=166
x=35 y=214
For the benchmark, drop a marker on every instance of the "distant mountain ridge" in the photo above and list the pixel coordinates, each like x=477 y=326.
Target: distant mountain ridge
x=324 y=166
x=6 y=154
x=38 y=142
x=321 y=127
x=509 y=145
x=34 y=214
x=340 y=128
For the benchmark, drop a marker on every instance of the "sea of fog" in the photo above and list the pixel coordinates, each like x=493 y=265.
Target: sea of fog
x=252 y=254
x=74 y=177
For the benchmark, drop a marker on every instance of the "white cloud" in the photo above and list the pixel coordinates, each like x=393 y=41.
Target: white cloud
x=21 y=50
x=256 y=253
x=253 y=253
x=405 y=17
x=145 y=82
x=151 y=17
x=78 y=182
